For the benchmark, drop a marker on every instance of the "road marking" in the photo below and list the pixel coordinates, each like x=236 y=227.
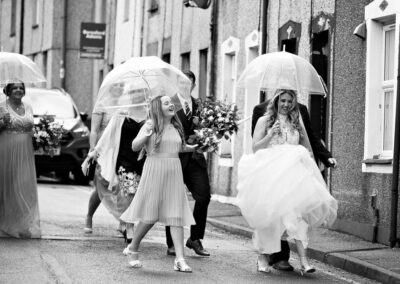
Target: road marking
x=56 y=269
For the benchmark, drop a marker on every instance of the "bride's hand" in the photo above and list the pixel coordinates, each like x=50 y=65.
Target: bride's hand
x=276 y=128
x=93 y=155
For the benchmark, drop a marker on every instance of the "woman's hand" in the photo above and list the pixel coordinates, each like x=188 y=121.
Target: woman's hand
x=92 y=156
x=148 y=128
x=190 y=148
x=276 y=128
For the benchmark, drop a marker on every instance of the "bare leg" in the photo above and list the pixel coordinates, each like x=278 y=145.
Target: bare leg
x=132 y=250
x=305 y=266
x=94 y=202
x=129 y=230
x=177 y=238
x=139 y=233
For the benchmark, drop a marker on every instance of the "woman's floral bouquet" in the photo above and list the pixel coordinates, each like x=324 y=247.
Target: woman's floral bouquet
x=47 y=135
x=128 y=181
x=213 y=121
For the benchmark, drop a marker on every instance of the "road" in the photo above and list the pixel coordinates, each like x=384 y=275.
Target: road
x=66 y=255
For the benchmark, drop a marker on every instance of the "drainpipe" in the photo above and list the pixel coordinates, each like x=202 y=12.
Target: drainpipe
x=264 y=23
x=63 y=43
x=21 y=29
x=395 y=173
x=214 y=49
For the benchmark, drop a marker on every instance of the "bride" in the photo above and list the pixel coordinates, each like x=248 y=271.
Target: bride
x=280 y=190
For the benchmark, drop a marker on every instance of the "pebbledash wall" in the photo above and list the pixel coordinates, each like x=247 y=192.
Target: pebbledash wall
x=365 y=169
x=42 y=39
x=352 y=109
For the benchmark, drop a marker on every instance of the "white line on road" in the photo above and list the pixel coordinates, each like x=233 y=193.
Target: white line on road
x=56 y=269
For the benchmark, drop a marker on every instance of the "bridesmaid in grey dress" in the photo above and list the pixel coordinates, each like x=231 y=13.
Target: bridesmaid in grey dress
x=19 y=210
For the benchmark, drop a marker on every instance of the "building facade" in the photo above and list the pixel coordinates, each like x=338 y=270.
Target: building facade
x=48 y=31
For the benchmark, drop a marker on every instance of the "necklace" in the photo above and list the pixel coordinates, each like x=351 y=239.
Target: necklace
x=16 y=108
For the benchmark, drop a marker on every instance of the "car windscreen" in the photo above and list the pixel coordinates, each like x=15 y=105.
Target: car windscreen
x=50 y=102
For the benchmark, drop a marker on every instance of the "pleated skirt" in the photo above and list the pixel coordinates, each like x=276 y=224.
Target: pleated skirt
x=161 y=195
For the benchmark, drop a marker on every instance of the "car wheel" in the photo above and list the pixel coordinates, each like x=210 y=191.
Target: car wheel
x=79 y=178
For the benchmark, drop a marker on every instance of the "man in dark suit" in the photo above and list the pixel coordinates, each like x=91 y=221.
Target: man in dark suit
x=195 y=176
x=280 y=260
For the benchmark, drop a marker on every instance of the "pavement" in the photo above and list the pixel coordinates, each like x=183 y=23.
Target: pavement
x=347 y=252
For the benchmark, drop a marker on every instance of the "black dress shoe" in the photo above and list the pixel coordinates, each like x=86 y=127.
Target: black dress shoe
x=197 y=247
x=171 y=251
x=283 y=265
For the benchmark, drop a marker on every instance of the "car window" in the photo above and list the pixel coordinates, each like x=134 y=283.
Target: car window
x=50 y=102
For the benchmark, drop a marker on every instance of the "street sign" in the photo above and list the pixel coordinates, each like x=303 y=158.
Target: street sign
x=93 y=40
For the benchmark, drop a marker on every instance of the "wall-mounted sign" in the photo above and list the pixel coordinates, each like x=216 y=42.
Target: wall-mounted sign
x=93 y=40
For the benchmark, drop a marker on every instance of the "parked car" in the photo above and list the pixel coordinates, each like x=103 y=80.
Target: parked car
x=75 y=139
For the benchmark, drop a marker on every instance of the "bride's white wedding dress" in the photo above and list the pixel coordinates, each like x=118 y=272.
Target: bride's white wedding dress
x=280 y=189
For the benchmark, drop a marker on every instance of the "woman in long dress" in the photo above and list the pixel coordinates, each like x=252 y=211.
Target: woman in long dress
x=19 y=210
x=280 y=188
x=161 y=195
x=118 y=167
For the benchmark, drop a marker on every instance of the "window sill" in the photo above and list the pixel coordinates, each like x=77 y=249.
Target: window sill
x=379 y=166
x=377 y=161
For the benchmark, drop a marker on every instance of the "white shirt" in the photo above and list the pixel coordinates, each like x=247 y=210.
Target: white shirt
x=183 y=100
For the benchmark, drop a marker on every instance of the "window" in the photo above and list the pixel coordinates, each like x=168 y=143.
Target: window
x=387 y=92
x=185 y=61
x=126 y=10
x=166 y=57
x=202 y=82
x=230 y=50
x=380 y=87
x=13 y=17
x=35 y=13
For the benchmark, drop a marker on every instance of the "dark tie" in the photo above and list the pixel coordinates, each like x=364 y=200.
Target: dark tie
x=188 y=112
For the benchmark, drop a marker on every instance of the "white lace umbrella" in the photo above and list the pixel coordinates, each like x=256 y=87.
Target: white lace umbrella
x=281 y=70
x=134 y=83
x=15 y=67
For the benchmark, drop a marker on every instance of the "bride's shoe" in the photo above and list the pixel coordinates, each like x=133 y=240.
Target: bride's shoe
x=133 y=258
x=262 y=267
x=181 y=265
x=305 y=267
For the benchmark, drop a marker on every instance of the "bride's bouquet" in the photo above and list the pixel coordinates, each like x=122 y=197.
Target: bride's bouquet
x=46 y=136
x=213 y=120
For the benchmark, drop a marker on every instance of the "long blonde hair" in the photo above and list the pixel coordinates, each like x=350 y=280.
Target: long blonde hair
x=293 y=114
x=158 y=121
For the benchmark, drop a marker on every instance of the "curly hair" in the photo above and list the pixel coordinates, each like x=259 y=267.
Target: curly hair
x=293 y=114
x=158 y=121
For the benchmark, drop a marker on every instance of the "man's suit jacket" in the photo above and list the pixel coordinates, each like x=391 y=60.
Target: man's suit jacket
x=188 y=129
x=319 y=150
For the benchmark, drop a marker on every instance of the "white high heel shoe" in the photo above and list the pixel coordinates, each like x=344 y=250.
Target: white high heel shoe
x=133 y=258
x=181 y=265
x=305 y=266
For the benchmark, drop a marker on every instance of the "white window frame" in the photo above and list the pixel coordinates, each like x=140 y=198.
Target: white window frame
x=229 y=47
x=386 y=86
x=252 y=42
x=377 y=21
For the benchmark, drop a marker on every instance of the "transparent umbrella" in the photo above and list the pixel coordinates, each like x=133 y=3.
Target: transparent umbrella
x=15 y=67
x=281 y=70
x=134 y=83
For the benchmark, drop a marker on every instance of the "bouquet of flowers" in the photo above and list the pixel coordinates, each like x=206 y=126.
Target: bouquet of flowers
x=213 y=121
x=47 y=135
x=128 y=181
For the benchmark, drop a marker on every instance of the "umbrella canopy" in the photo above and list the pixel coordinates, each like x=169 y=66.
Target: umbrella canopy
x=15 y=68
x=134 y=83
x=281 y=70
